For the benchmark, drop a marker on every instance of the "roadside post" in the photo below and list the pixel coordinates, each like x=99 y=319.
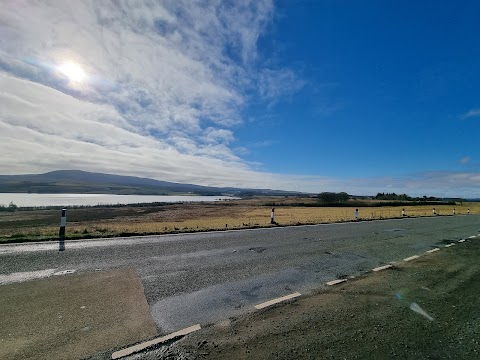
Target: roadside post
x=403 y=212
x=356 y=214
x=61 y=233
x=434 y=212
x=272 y=216
x=454 y=212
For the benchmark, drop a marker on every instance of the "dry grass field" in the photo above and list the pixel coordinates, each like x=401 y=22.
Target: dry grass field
x=97 y=221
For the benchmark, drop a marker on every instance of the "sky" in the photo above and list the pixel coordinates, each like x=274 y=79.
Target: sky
x=355 y=96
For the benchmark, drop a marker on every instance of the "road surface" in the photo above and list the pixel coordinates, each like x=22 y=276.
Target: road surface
x=207 y=277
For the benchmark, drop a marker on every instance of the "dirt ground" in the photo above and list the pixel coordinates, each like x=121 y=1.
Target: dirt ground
x=73 y=316
x=375 y=316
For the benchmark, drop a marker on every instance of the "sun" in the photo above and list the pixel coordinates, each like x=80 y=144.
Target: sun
x=73 y=72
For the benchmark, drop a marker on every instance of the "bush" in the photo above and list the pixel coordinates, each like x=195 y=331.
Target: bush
x=11 y=207
x=332 y=198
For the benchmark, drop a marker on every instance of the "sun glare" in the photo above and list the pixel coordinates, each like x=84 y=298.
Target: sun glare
x=73 y=72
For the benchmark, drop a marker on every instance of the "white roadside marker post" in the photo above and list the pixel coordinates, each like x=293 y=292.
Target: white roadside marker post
x=61 y=233
x=272 y=216
x=454 y=212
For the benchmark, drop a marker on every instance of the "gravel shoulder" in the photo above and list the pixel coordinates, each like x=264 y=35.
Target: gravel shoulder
x=374 y=316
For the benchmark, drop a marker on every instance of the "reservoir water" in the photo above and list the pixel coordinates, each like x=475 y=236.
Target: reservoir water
x=39 y=200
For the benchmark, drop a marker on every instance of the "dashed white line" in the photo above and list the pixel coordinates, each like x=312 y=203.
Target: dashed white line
x=64 y=272
x=382 y=267
x=411 y=258
x=448 y=245
x=433 y=250
x=25 y=276
x=139 y=347
x=460 y=241
x=277 y=300
x=335 y=282
x=472 y=237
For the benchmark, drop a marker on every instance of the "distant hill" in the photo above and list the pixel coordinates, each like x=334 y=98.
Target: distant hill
x=83 y=182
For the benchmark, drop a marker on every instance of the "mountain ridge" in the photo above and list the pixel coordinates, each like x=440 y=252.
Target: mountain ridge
x=79 y=181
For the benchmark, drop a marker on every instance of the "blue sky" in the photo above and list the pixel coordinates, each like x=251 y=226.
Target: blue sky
x=356 y=96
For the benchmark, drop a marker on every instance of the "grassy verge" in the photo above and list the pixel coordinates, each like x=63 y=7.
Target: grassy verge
x=84 y=223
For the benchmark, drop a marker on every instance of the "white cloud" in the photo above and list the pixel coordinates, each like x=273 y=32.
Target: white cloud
x=275 y=83
x=471 y=113
x=218 y=135
x=166 y=84
x=164 y=80
x=263 y=143
x=465 y=160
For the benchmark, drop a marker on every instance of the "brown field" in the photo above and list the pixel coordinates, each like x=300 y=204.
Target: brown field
x=249 y=213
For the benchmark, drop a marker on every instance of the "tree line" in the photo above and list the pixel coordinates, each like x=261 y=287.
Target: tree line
x=403 y=197
x=343 y=197
x=332 y=198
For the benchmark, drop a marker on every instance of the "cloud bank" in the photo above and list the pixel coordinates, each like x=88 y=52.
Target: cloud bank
x=165 y=83
x=164 y=89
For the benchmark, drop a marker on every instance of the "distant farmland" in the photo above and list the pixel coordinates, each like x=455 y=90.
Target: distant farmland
x=251 y=213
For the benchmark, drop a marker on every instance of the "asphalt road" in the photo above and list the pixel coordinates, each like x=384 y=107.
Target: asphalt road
x=208 y=277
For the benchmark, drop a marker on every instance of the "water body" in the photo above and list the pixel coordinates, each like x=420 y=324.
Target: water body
x=39 y=200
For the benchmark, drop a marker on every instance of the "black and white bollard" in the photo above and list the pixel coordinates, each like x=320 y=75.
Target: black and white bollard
x=434 y=212
x=403 y=212
x=272 y=216
x=454 y=212
x=356 y=214
x=61 y=233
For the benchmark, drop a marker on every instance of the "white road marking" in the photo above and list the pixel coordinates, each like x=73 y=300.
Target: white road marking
x=64 y=272
x=139 y=347
x=277 y=300
x=411 y=258
x=382 y=267
x=433 y=250
x=25 y=276
x=472 y=237
x=335 y=282
x=460 y=241
x=448 y=245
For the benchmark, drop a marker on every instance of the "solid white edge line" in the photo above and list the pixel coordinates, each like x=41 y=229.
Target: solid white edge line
x=433 y=250
x=335 y=282
x=411 y=258
x=139 y=347
x=277 y=300
x=382 y=267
